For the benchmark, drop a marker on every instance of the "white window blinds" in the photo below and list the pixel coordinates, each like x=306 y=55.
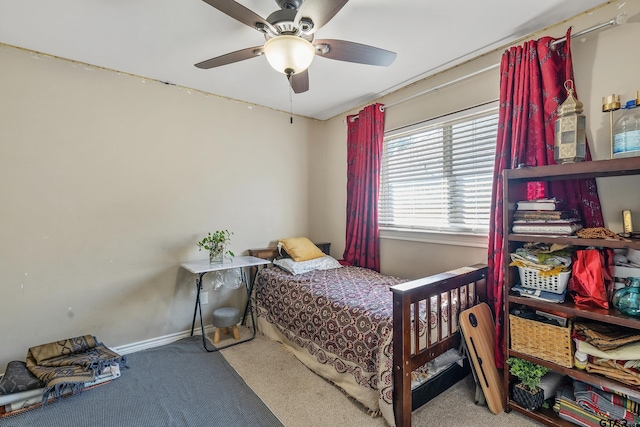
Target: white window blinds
x=438 y=177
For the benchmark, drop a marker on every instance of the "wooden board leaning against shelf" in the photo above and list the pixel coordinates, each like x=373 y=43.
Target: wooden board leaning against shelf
x=514 y=182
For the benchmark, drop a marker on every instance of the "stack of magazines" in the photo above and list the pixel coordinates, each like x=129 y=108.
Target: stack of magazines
x=544 y=216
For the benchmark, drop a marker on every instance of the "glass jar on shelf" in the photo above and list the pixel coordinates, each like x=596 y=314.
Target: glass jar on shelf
x=626 y=131
x=627 y=299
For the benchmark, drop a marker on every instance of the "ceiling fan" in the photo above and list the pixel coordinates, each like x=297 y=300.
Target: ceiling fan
x=290 y=46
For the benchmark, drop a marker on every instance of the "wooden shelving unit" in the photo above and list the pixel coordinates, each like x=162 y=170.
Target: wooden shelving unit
x=514 y=179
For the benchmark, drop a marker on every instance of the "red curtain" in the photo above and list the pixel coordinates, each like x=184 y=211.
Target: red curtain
x=532 y=80
x=365 y=133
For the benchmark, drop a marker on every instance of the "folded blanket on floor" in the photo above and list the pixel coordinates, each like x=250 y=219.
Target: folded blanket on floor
x=69 y=363
x=601 y=402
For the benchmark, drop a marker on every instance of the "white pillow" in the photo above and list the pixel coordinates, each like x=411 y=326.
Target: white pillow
x=323 y=263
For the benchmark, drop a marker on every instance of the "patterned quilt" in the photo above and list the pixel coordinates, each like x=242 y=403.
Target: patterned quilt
x=343 y=318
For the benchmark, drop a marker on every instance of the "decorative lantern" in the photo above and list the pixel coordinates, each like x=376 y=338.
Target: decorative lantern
x=570 y=139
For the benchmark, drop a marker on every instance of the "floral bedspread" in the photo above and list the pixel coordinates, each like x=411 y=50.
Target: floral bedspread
x=343 y=317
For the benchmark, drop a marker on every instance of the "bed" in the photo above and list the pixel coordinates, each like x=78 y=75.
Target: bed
x=356 y=328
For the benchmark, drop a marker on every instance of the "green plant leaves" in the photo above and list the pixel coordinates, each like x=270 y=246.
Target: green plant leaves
x=215 y=240
x=529 y=373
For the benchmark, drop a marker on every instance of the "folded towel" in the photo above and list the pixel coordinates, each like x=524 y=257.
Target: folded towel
x=569 y=410
x=625 y=352
x=603 y=336
x=600 y=402
x=614 y=369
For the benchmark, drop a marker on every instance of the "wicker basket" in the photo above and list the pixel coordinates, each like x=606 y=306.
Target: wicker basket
x=530 y=278
x=541 y=340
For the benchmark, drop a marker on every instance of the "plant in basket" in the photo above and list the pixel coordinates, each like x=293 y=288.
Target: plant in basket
x=527 y=392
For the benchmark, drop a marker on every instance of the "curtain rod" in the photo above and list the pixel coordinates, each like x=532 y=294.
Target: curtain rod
x=618 y=20
x=443 y=85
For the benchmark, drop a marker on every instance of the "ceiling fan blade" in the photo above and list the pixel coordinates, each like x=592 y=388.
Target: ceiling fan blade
x=300 y=82
x=342 y=50
x=320 y=11
x=240 y=13
x=229 y=58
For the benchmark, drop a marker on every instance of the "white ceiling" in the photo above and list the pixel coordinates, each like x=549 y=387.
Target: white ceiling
x=163 y=39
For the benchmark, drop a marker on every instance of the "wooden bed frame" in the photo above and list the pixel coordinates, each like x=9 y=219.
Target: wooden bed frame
x=408 y=351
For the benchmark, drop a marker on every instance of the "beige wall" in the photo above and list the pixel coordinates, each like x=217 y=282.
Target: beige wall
x=605 y=62
x=106 y=184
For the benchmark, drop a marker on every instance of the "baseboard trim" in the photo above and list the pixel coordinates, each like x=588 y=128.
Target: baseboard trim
x=156 y=342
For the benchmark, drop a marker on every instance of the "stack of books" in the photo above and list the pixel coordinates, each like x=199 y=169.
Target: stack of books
x=544 y=216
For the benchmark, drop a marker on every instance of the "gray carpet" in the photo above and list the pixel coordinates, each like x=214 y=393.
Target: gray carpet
x=178 y=384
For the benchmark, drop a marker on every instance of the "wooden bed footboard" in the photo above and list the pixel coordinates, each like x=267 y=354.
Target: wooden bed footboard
x=458 y=289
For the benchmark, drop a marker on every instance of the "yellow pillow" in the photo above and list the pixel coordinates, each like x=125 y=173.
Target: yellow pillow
x=301 y=248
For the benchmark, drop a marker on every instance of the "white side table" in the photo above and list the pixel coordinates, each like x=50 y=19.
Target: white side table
x=200 y=268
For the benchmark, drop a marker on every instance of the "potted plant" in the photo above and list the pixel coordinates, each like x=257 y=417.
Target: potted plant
x=216 y=243
x=527 y=392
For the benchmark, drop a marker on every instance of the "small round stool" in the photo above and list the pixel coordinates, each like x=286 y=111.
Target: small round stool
x=223 y=318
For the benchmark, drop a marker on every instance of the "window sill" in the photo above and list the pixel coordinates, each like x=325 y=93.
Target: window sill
x=441 y=238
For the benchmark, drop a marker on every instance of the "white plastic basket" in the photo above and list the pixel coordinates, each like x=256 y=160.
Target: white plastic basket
x=530 y=278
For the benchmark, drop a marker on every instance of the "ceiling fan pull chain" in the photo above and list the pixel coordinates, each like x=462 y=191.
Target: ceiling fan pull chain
x=290 y=100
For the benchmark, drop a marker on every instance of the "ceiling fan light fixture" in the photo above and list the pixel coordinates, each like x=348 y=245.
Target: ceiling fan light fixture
x=289 y=54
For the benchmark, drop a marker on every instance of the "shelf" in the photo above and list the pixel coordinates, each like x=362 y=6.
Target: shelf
x=573 y=240
x=592 y=169
x=593 y=313
x=514 y=182
x=578 y=374
x=545 y=416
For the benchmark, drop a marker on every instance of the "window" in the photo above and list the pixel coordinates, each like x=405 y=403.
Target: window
x=437 y=176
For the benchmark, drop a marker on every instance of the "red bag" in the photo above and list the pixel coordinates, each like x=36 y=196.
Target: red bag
x=592 y=277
